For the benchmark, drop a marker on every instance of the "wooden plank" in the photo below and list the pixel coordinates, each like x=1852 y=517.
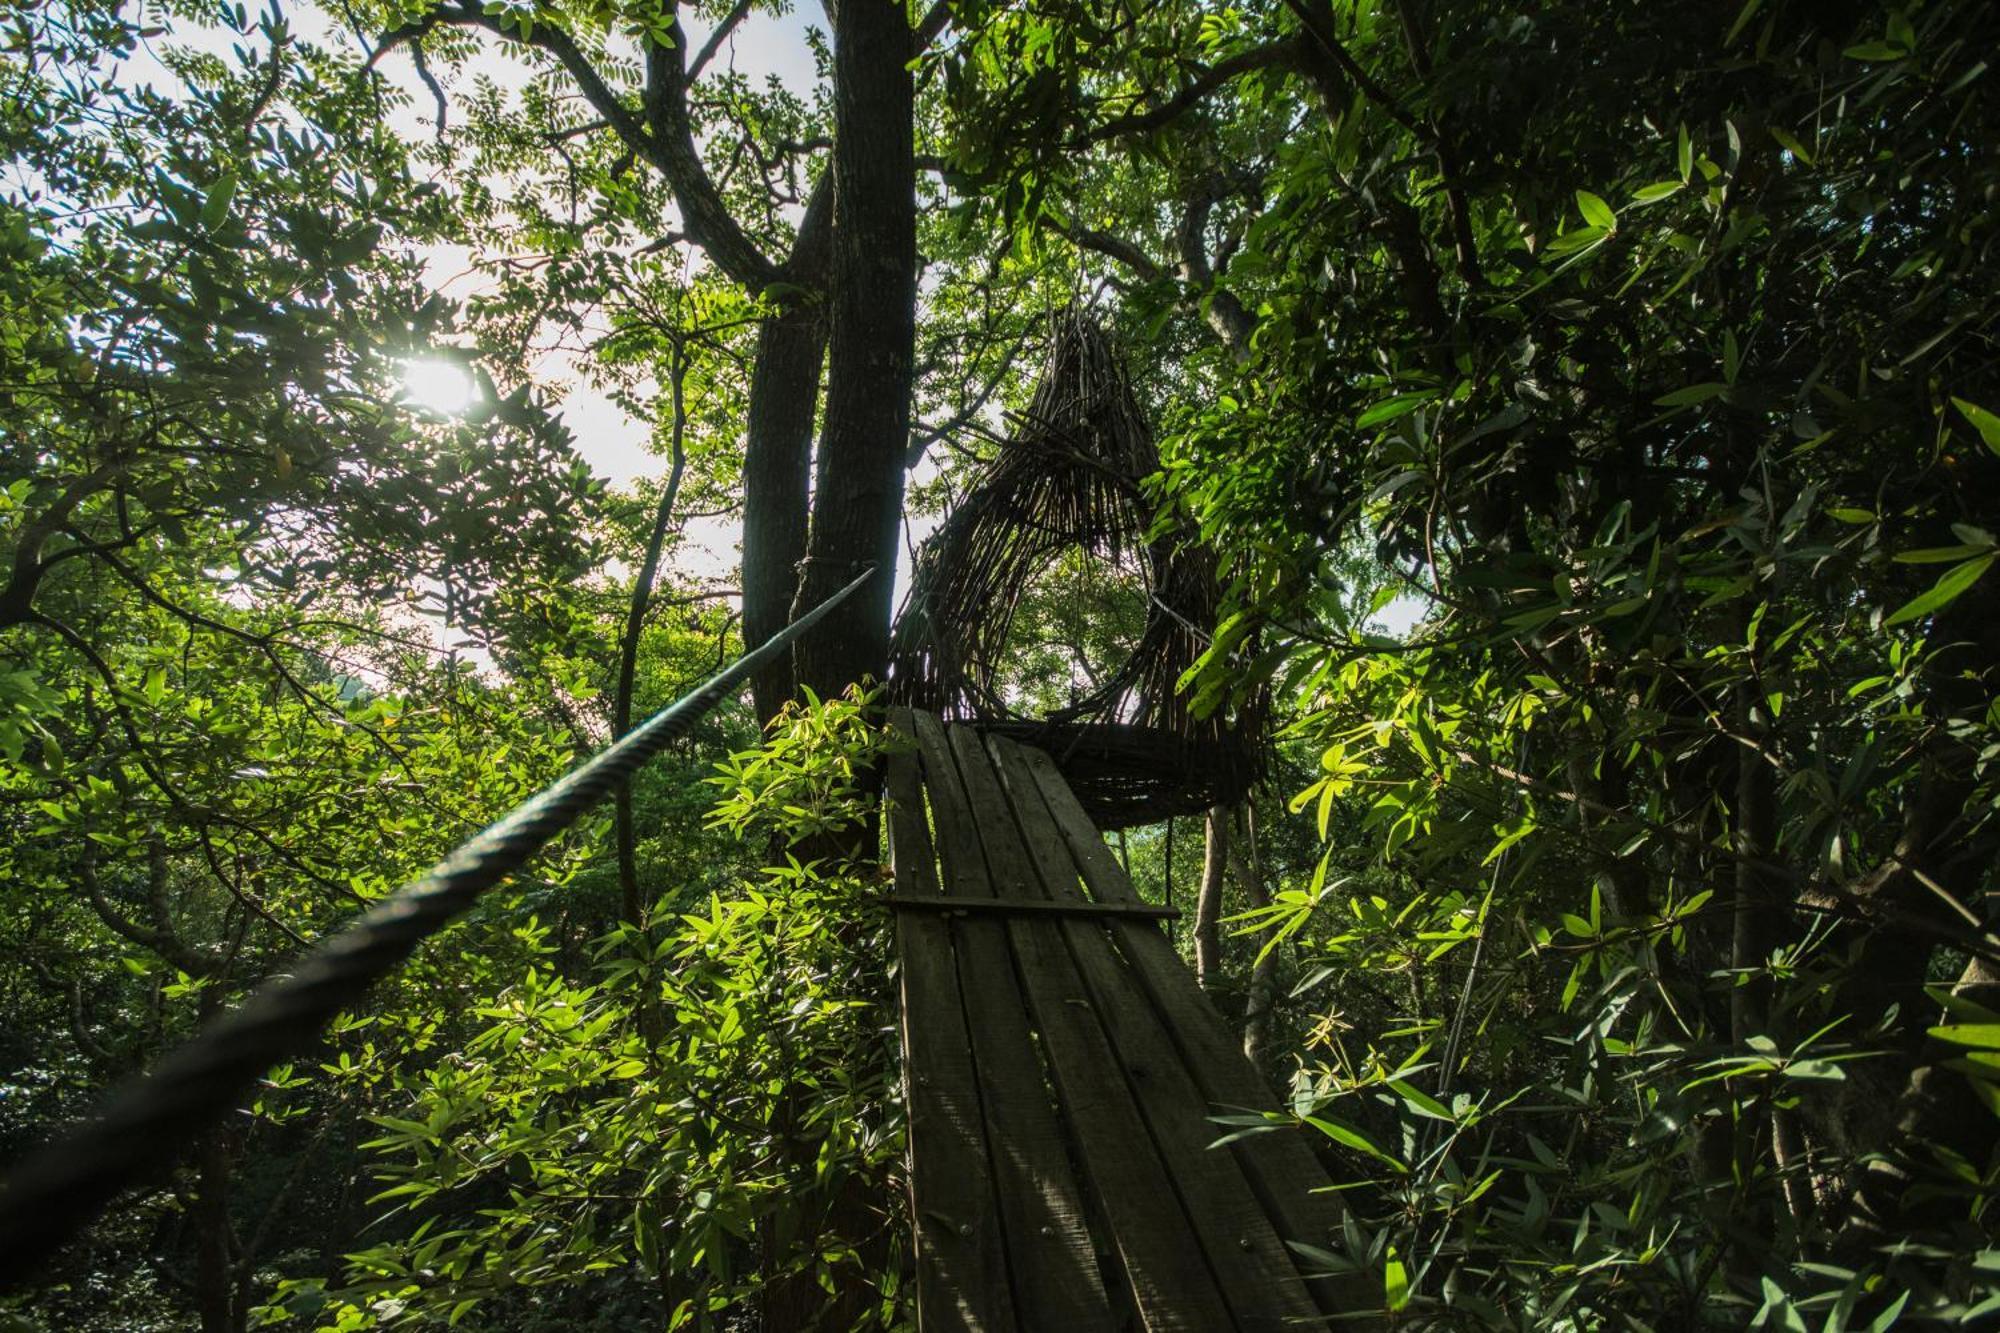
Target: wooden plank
x=1289 y=1180
x=1256 y=1272
x=961 y=1258
x=1053 y=1269
x=1171 y=1286
x=1028 y=907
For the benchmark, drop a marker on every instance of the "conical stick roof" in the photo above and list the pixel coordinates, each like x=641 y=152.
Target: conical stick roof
x=1069 y=476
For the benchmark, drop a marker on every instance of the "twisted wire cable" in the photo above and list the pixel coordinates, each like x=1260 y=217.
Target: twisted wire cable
x=145 y=1125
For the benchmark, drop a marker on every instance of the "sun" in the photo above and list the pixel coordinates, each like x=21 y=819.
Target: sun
x=439 y=384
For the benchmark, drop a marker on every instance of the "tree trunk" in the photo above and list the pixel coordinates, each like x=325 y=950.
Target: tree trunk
x=628 y=650
x=1263 y=991
x=215 y=1285
x=1758 y=925
x=777 y=460
x=777 y=475
x=1759 y=902
x=1208 y=903
x=857 y=499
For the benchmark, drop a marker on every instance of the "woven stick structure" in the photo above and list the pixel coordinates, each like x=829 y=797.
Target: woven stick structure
x=1068 y=477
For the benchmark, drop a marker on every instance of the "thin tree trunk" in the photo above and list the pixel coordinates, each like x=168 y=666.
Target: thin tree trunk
x=214 y=1266
x=1751 y=935
x=1208 y=903
x=1757 y=927
x=215 y=1283
x=777 y=460
x=1263 y=992
x=626 y=835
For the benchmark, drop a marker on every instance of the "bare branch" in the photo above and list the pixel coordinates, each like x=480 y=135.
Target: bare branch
x=1224 y=313
x=423 y=69
x=729 y=24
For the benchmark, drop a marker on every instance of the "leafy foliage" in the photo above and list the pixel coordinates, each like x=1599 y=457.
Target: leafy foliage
x=1592 y=410
x=676 y=1164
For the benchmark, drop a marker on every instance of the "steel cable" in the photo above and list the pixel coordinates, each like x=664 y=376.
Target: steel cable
x=146 y=1124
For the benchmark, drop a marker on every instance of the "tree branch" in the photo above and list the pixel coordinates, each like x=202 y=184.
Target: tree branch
x=1282 y=51
x=662 y=134
x=729 y=24
x=1450 y=167
x=1221 y=309
x=932 y=26
x=1323 y=39
x=670 y=147
x=18 y=596
x=1116 y=248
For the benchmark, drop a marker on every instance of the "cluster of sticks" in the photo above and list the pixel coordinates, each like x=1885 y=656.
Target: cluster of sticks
x=1068 y=477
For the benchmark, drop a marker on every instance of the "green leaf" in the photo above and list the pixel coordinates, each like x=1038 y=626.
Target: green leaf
x=1395 y=1283
x=1946 y=590
x=1743 y=17
x=1581 y=238
x=1791 y=144
x=1940 y=555
x=1595 y=211
x=1401 y=405
x=215 y=205
x=1845 y=515
x=1820 y=1070
x=1692 y=394
x=1983 y=421
x=1983 y=1035
x=1348 y=1136
x=1422 y=1102
x=1885 y=1321
x=1658 y=190
x=1875 y=51
x=1393 y=484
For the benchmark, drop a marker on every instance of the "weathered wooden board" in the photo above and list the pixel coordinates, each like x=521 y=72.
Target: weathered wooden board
x=1062 y=1069
x=962 y=1280
x=1055 y=1277
x=1288 y=1179
x=1257 y=1274
x=1171 y=1284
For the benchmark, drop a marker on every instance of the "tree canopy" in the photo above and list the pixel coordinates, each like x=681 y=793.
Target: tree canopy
x=1590 y=412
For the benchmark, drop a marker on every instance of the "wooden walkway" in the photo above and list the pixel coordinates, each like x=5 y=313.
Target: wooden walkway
x=1061 y=1069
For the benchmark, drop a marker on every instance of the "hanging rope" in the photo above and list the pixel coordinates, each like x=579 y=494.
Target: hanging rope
x=145 y=1125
